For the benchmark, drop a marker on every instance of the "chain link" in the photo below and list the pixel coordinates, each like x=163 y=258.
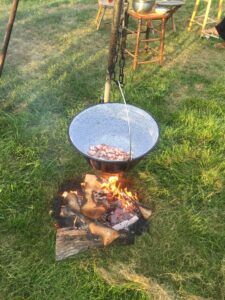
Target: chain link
x=120 y=47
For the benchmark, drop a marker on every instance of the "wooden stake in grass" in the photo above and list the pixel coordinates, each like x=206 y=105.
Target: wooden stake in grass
x=8 y=34
x=112 y=48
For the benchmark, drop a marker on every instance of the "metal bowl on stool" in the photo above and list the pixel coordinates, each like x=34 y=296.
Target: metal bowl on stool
x=143 y=6
x=107 y=124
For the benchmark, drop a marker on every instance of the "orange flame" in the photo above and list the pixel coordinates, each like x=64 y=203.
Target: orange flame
x=113 y=186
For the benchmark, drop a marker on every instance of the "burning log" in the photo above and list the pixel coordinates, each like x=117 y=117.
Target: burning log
x=107 y=235
x=110 y=213
x=146 y=212
x=89 y=209
x=100 y=198
x=71 y=200
x=94 y=213
x=66 y=212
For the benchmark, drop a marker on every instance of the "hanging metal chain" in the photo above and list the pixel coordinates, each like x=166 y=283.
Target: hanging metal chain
x=115 y=59
x=122 y=61
x=121 y=45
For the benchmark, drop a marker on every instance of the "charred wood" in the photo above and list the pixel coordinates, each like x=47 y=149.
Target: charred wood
x=70 y=242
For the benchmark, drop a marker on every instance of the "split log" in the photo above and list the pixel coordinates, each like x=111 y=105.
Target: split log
x=145 y=211
x=93 y=213
x=70 y=242
x=107 y=235
x=66 y=212
x=71 y=200
x=90 y=209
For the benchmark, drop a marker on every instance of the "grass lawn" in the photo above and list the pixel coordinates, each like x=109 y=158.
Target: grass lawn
x=55 y=68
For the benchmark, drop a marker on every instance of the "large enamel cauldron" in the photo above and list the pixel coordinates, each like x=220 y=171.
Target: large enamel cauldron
x=107 y=124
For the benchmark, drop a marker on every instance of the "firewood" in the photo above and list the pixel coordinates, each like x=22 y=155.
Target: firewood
x=66 y=212
x=91 y=182
x=108 y=235
x=89 y=209
x=71 y=200
x=146 y=212
x=94 y=212
x=66 y=232
x=98 y=222
x=70 y=242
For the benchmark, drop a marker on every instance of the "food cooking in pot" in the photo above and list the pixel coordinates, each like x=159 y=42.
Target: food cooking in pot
x=107 y=152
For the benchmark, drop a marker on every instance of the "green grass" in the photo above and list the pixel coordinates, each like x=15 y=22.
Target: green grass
x=55 y=68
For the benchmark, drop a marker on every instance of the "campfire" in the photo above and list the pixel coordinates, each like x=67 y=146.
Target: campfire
x=95 y=212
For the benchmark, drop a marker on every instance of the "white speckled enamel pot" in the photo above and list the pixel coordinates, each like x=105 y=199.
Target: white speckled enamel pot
x=107 y=124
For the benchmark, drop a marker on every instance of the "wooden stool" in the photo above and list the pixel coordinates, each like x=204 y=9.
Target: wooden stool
x=203 y=20
x=102 y=6
x=148 y=19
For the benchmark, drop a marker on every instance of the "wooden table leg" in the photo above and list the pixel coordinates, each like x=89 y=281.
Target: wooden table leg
x=148 y=28
x=173 y=23
x=135 y=63
x=162 y=38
